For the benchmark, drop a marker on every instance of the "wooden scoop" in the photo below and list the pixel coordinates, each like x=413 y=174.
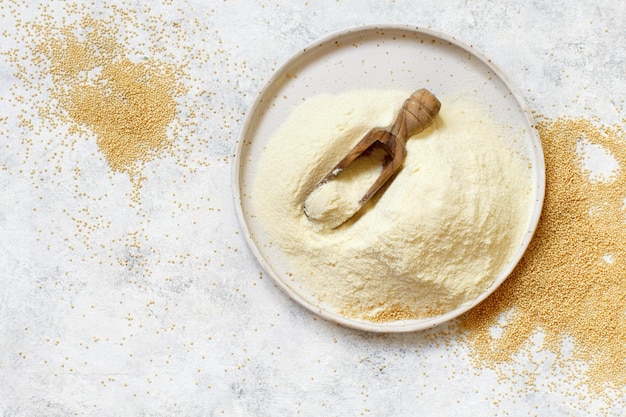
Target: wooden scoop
x=417 y=112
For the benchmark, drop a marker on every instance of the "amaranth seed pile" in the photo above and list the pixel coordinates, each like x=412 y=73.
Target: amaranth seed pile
x=127 y=105
x=571 y=283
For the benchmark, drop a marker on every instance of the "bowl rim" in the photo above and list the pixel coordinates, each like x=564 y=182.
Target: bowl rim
x=400 y=325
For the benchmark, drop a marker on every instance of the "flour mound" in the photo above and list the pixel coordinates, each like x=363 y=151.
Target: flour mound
x=434 y=239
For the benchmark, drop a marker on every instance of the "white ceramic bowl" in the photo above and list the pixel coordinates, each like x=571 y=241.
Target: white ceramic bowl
x=381 y=56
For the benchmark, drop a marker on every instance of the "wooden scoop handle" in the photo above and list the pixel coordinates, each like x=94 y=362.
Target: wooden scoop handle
x=416 y=114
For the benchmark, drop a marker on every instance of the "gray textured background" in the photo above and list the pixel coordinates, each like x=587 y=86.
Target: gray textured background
x=208 y=334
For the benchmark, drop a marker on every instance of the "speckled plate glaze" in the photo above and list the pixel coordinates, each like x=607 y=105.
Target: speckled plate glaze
x=377 y=57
